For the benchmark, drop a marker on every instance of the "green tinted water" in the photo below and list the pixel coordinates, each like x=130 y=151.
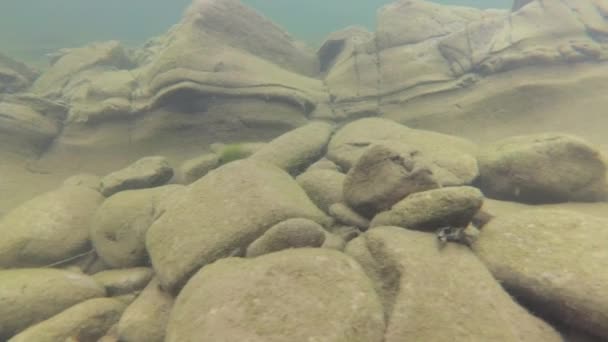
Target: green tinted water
x=31 y=28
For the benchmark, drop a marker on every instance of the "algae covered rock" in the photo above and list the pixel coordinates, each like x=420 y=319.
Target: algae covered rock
x=86 y=321
x=292 y=233
x=29 y=296
x=119 y=227
x=195 y=168
x=294 y=295
x=543 y=168
x=295 y=150
x=146 y=318
x=433 y=209
x=324 y=187
x=124 y=281
x=447 y=294
x=221 y=214
x=49 y=228
x=147 y=172
x=553 y=260
x=14 y=75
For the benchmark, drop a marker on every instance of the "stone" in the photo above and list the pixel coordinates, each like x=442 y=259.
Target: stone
x=124 y=281
x=383 y=176
x=324 y=187
x=554 y=261
x=146 y=318
x=220 y=215
x=433 y=294
x=118 y=230
x=146 y=172
x=543 y=168
x=29 y=296
x=347 y=216
x=292 y=233
x=193 y=169
x=86 y=321
x=49 y=228
x=433 y=209
x=14 y=75
x=293 y=295
x=295 y=150
x=88 y=180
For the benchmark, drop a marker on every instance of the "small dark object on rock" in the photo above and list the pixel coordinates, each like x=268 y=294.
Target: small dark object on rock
x=450 y=234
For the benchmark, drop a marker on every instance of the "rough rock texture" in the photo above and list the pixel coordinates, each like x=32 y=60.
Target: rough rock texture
x=324 y=187
x=553 y=260
x=433 y=209
x=49 y=228
x=543 y=168
x=86 y=321
x=195 y=168
x=220 y=215
x=384 y=175
x=28 y=296
x=14 y=75
x=294 y=151
x=293 y=295
x=432 y=294
x=292 y=233
x=119 y=227
x=345 y=215
x=146 y=318
x=147 y=172
x=124 y=281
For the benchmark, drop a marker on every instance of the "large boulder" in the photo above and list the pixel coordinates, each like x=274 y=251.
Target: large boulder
x=554 y=261
x=86 y=321
x=324 y=187
x=119 y=227
x=432 y=294
x=29 y=296
x=220 y=215
x=543 y=168
x=292 y=233
x=49 y=228
x=294 y=295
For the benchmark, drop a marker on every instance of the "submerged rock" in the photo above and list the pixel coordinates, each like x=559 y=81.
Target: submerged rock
x=14 y=75
x=124 y=281
x=324 y=187
x=220 y=215
x=195 y=168
x=293 y=295
x=147 y=172
x=554 y=261
x=543 y=168
x=433 y=294
x=29 y=296
x=292 y=233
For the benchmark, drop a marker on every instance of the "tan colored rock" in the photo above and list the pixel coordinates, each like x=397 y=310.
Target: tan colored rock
x=146 y=318
x=292 y=233
x=347 y=216
x=195 y=168
x=324 y=187
x=49 y=228
x=433 y=294
x=554 y=261
x=220 y=215
x=543 y=168
x=14 y=75
x=293 y=295
x=147 y=172
x=29 y=296
x=124 y=281
x=86 y=321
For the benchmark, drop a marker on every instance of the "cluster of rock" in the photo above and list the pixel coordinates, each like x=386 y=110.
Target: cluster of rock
x=319 y=234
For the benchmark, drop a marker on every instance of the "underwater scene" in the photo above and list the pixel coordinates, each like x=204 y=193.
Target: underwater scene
x=290 y=171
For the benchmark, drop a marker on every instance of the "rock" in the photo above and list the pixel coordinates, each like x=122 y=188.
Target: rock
x=147 y=172
x=543 y=168
x=220 y=215
x=432 y=294
x=118 y=231
x=195 y=168
x=88 y=180
x=345 y=215
x=338 y=45
x=517 y=4
x=383 y=176
x=86 y=321
x=433 y=209
x=333 y=241
x=554 y=261
x=292 y=233
x=293 y=295
x=324 y=164
x=124 y=281
x=236 y=151
x=324 y=187
x=346 y=233
x=146 y=318
x=29 y=296
x=49 y=228
x=14 y=76
x=452 y=158
x=294 y=151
